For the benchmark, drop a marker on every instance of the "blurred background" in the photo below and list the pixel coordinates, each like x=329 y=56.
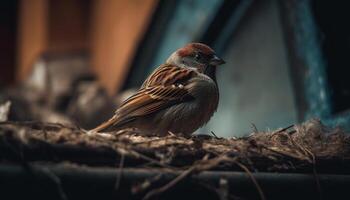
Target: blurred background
x=74 y=61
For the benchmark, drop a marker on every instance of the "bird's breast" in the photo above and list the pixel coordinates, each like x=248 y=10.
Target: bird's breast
x=204 y=90
x=206 y=97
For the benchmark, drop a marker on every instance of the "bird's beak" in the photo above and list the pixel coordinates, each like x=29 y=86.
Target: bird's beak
x=215 y=60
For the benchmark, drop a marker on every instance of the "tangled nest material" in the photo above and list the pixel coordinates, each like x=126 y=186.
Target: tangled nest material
x=298 y=144
x=309 y=147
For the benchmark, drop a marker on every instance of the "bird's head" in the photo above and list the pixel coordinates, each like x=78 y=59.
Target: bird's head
x=195 y=55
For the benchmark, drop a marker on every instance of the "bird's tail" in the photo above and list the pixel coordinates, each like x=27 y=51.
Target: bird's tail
x=105 y=126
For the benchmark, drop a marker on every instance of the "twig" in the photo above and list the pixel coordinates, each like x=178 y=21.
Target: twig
x=318 y=183
x=261 y=193
x=255 y=129
x=55 y=179
x=178 y=139
x=283 y=153
x=200 y=166
x=281 y=130
x=169 y=185
x=120 y=172
x=212 y=132
x=145 y=184
x=148 y=141
x=302 y=148
x=137 y=154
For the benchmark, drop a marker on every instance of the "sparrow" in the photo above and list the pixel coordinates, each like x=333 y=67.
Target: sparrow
x=180 y=96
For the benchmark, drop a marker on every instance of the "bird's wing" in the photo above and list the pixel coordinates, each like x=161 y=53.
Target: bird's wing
x=164 y=88
x=168 y=74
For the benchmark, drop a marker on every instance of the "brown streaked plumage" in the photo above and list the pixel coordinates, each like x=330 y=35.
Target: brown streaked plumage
x=179 y=96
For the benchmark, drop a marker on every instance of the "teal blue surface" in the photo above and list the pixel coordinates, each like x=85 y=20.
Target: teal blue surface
x=190 y=19
x=317 y=90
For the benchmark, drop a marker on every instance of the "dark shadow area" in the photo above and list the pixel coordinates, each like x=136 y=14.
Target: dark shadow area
x=332 y=20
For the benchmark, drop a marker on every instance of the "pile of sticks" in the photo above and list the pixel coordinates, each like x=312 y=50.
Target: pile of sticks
x=306 y=148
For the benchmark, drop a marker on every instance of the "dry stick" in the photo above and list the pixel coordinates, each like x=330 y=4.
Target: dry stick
x=281 y=130
x=55 y=179
x=250 y=163
x=119 y=146
x=255 y=129
x=170 y=184
x=116 y=135
x=208 y=164
x=156 y=140
x=313 y=161
x=153 y=160
x=120 y=171
x=283 y=153
x=290 y=154
x=30 y=124
x=261 y=193
x=145 y=184
x=317 y=179
x=318 y=184
x=148 y=141
x=302 y=148
x=212 y=132
x=144 y=157
x=284 y=129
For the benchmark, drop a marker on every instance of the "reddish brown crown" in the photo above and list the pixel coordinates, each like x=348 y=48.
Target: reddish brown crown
x=191 y=48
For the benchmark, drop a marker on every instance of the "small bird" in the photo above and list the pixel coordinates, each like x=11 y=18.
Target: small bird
x=179 y=96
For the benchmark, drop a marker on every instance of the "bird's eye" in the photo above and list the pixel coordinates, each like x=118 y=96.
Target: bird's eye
x=197 y=56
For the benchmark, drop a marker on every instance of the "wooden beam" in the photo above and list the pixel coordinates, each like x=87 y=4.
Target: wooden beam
x=69 y=25
x=32 y=34
x=117 y=27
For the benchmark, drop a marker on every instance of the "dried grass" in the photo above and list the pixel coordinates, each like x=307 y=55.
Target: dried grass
x=295 y=148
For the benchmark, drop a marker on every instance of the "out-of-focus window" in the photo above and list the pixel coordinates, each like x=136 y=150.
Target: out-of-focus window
x=255 y=85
